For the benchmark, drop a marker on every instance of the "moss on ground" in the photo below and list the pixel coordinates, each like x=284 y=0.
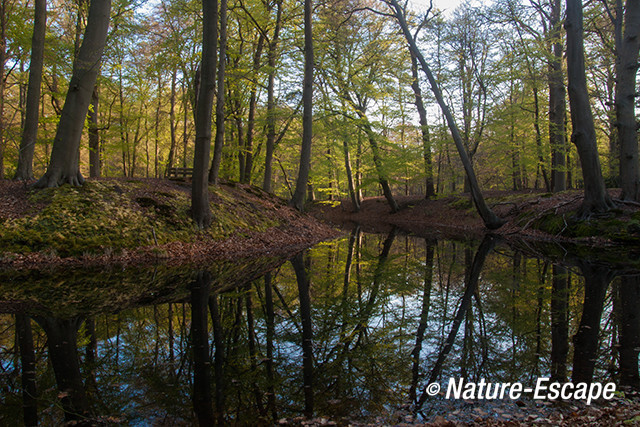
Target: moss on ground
x=109 y=216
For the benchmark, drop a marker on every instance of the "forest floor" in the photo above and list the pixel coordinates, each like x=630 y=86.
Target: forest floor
x=534 y=215
x=143 y=221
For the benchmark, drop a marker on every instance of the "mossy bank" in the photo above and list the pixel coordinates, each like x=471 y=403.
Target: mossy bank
x=118 y=217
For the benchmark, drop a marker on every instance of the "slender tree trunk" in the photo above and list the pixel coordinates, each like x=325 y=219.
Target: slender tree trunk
x=3 y=83
x=559 y=323
x=490 y=219
x=347 y=164
x=424 y=126
x=172 y=121
x=95 y=164
x=253 y=102
x=200 y=209
x=626 y=94
x=377 y=161
x=28 y=364
x=297 y=200
x=596 y=198
x=272 y=57
x=219 y=142
x=629 y=289
x=30 y=131
x=64 y=165
x=557 y=105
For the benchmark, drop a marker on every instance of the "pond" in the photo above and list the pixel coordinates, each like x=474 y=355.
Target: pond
x=353 y=329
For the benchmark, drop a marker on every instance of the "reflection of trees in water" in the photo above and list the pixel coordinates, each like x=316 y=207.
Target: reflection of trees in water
x=349 y=328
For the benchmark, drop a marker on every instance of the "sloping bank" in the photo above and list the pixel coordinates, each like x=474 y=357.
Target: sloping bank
x=144 y=221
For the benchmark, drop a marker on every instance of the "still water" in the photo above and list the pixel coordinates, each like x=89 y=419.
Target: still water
x=351 y=329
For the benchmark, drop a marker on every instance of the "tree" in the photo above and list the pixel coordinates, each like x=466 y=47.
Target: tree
x=557 y=105
x=63 y=166
x=596 y=199
x=490 y=219
x=30 y=133
x=220 y=107
x=626 y=94
x=200 y=209
x=298 y=198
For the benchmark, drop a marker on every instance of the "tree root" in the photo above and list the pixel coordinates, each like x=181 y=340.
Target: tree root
x=57 y=179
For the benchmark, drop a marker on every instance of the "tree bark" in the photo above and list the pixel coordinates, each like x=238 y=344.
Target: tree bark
x=220 y=99
x=424 y=126
x=95 y=163
x=298 y=198
x=30 y=131
x=200 y=209
x=626 y=94
x=596 y=199
x=490 y=219
x=557 y=105
x=272 y=57
x=64 y=164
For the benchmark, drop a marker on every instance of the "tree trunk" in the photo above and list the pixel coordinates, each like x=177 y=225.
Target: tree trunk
x=30 y=131
x=272 y=56
x=62 y=343
x=248 y=147
x=3 y=83
x=426 y=141
x=629 y=319
x=585 y=341
x=200 y=209
x=64 y=165
x=297 y=200
x=219 y=143
x=172 y=121
x=200 y=337
x=490 y=219
x=95 y=164
x=559 y=323
x=307 y=330
x=596 y=199
x=557 y=104
x=626 y=93
x=377 y=161
x=28 y=363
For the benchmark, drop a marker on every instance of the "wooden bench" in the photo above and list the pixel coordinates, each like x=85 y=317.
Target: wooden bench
x=180 y=173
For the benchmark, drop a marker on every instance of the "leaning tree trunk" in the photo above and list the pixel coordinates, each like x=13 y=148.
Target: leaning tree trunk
x=490 y=219
x=30 y=131
x=200 y=209
x=626 y=94
x=297 y=200
x=596 y=198
x=64 y=164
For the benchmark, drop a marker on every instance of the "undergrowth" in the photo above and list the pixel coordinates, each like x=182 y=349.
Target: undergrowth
x=107 y=217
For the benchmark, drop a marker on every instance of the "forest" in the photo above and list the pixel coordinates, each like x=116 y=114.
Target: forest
x=248 y=81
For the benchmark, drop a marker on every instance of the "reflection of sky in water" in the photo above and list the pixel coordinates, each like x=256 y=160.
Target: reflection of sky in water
x=363 y=335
